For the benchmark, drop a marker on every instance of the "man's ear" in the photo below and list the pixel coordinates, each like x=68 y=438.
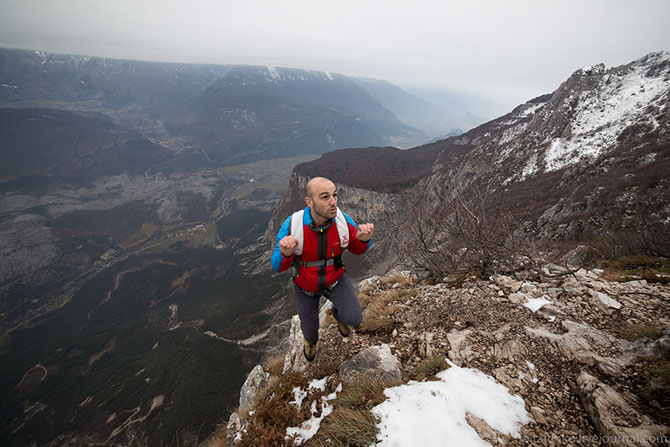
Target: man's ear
x=308 y=201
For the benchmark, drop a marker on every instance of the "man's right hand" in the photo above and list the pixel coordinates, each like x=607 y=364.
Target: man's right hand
x=287 y=245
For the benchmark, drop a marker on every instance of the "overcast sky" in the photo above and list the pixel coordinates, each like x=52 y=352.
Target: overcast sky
x=507 y=50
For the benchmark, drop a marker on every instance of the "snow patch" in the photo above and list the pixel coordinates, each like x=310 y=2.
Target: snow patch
x=535 y=304
x=274 y=73
x=432 y=414
x=311 y=426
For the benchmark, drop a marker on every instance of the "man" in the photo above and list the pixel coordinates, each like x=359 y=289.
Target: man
x=313 y=241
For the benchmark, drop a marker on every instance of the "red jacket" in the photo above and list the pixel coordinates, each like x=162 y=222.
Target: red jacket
x=320 y=243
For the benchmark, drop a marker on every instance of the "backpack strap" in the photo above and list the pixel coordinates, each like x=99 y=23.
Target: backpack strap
x=342 y=228
x=297 y=230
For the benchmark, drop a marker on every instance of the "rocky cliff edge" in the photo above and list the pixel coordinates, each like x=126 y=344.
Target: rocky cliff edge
x=588 y=357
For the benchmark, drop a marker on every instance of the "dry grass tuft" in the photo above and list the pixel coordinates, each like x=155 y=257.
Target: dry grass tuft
x=365 y=393
x=378 y=317
x=655 y=270
x=429 y=367
x=346 y=428
x=636 y=331
x=275 y=365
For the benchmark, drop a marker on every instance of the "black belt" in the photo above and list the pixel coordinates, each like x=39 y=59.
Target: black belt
x=336 y=261
x=325 y=263
x=325 y=292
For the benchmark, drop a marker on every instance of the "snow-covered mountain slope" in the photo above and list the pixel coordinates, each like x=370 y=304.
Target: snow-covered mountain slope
x=593 y=112
x=590 y=158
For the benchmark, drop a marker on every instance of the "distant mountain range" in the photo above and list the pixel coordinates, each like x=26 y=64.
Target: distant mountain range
x=224 y=114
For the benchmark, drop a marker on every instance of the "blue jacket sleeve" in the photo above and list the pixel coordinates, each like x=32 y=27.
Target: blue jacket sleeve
x=279 y=261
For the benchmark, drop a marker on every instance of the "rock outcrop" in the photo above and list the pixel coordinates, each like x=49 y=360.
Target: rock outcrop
x=256 y=380
x=549 y=353
x=375 y=360
x=614 y=418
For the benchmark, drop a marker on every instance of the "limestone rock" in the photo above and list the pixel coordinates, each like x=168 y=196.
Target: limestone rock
x=482 y=428
x=375 y=360
x=578 y=256
x=616 y=421
x=662 y=345
x=556 y=269
x=460 y=349
x=583 y=342
x=573 y=287
x=256 y=380
x=234 y=428
x=517 y=297
x=371 y=282
x=508 y=283
x=603 y=301
x=509 y=350
x=294 y=360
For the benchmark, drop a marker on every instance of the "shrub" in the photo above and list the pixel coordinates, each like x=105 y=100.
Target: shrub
x=466 y=232
x=267 y=427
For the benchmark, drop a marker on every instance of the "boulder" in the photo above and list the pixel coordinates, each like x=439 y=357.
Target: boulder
x=256 y=380
x=578 y=257
x=375 y=360
x=615 y=420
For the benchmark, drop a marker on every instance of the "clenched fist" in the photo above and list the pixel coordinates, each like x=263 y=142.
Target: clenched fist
x=287 y=245
x=364 y=232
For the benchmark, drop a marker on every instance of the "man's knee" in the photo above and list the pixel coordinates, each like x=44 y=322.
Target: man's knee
x=352 y=315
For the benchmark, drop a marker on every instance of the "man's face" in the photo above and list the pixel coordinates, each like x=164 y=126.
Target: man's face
x=323 y=199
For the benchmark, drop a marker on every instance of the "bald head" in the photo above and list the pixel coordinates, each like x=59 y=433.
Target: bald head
x=321 y=198
x=317 y=185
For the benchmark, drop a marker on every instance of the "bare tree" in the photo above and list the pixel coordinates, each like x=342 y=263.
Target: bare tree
x=466 y=232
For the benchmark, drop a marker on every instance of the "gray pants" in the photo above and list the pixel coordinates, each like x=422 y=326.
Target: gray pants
x=346 y=307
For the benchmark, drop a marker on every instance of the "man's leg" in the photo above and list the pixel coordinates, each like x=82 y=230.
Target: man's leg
x=346 y=307
x=308 y=311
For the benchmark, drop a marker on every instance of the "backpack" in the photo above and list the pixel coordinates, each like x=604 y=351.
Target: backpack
x=297 y=229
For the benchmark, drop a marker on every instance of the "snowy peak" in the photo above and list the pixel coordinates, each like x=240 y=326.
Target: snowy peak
x=592 y=113
x=269 y=75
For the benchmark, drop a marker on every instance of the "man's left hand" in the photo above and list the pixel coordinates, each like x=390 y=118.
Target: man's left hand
x=364 y=232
